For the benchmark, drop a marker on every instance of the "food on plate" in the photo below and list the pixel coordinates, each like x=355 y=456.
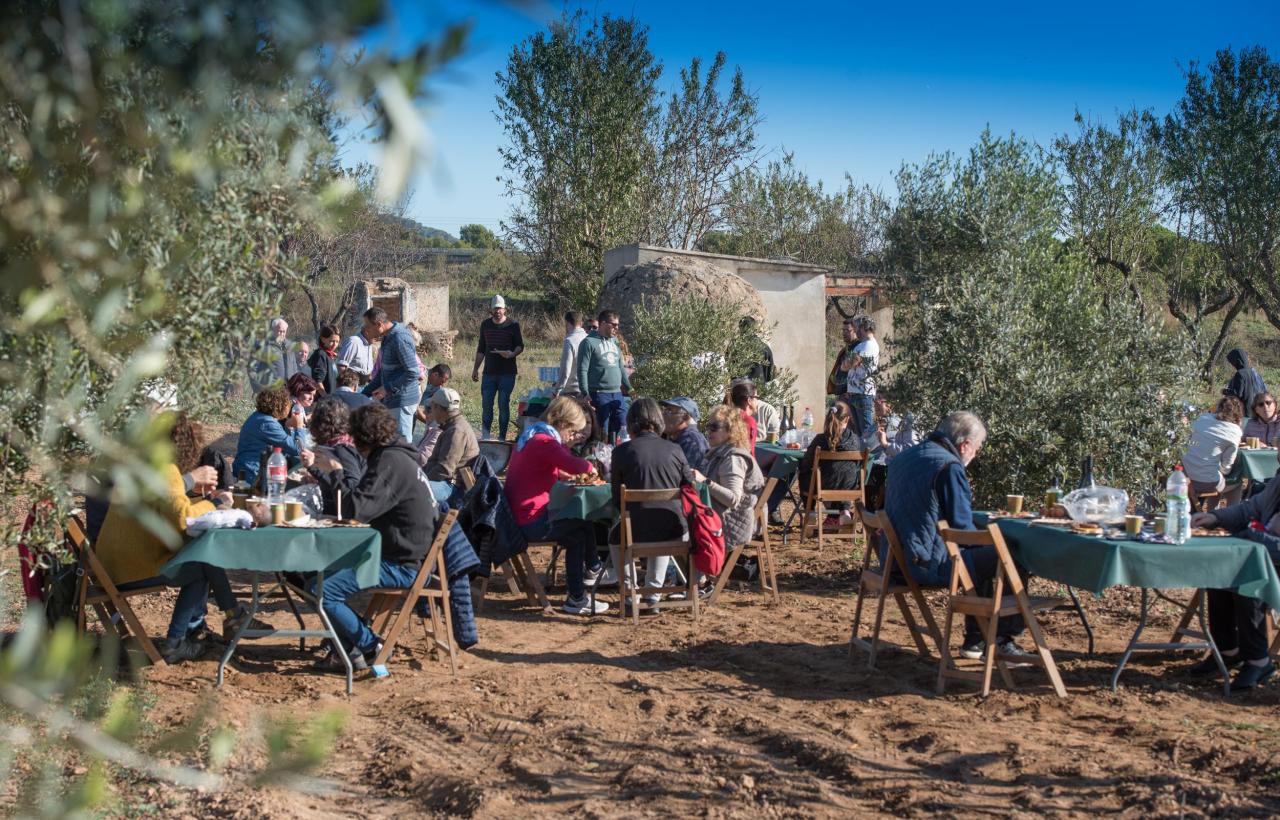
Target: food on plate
x=584 y=479
x=1205 y=532
x=1086 y=528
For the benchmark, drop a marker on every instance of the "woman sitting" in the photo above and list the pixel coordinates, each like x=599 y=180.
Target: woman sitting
x=336 y=465
x=541 y=457
x=303 y=390
x=837 y=436
x=732 y=475
x=132 y=554
x=1265 y=424
x=263 y=430
x=650 y=462
x=1215 y=439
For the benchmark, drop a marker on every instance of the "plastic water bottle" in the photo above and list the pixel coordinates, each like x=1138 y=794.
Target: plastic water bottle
x=1178 y=518
x=806 y=423
x=277 y=475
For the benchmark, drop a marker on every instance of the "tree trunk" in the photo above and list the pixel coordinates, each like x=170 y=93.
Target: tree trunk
x=1206 y=371
x=315 y=307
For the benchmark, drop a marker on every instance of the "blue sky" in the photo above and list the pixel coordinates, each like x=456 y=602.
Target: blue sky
x=848 y=87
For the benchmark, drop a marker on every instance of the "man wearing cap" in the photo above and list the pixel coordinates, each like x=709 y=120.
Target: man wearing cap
x=456 y=446
x=680 y=424
x=499 y=344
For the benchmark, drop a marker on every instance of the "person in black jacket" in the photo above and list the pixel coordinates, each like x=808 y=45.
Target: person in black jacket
x=335 y=464
x=1246 y=383
x=392 y=497
x=650 y=462
x=323 y=364
x=838 y=435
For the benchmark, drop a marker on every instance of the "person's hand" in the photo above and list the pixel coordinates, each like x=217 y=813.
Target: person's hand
x=326 y=463
x=379 y=394
x=699 y=477
x=1204 y=519
x=475 y=375
x=223 y=498
x=307 y=457
x=204 y=479
x=884 y=438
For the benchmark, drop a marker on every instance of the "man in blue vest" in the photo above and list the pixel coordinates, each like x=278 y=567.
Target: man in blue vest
x=927 y=484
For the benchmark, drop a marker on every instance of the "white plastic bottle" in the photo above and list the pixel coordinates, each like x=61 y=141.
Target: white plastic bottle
x=1178 y=518
x=806 y=422
x=277 y=475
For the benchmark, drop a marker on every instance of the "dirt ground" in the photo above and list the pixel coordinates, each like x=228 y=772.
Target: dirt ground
x=759 y=710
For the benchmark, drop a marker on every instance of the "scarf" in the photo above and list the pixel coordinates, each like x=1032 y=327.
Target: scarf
x=345 y=438
x=333 y=354
x=538 y=427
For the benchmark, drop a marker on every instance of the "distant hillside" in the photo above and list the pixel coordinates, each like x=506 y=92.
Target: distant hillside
x=418 y=229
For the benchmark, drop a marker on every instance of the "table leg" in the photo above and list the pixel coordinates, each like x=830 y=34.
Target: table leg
x=235 y=639
x=333 y=635
x=1202 y=612
x=1135 y=643
x=288 y=598
x=1084 y=619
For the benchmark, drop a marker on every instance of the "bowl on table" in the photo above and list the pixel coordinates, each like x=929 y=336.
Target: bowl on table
x=1097 y=505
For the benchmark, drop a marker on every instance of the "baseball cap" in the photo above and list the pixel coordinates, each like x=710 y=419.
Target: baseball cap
x=497 y=302
x=446 y=398
x=684 y=403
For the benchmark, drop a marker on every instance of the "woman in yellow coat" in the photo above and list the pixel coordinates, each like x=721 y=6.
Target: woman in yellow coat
x=132 y=555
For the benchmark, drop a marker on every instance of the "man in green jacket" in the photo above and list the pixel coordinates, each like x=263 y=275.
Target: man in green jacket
x=601 y=374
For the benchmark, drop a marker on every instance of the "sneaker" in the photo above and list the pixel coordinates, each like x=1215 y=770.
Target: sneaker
x=231 y=623
x=177 y=650
x=651 y=599
x=203 y=634
x=775 y=518
x=1250 y=676
x=584 y=606
x=1012 y=652
x=331 y=662
x=973 y=650
x=604 y=577
x=1208 y=666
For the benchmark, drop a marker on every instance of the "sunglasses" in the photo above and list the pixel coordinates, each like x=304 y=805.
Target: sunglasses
x=716 y=427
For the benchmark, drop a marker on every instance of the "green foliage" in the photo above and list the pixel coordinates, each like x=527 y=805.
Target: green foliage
x=693 y=348
x=1222 y=147
x=993 y=314
x=158 y=157
x=62 y=711
x=594 y=161
x=478 y=236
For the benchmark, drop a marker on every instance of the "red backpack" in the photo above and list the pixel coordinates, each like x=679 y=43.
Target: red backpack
x=706 y=531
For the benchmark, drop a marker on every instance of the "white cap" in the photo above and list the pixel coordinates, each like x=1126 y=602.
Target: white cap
x=497 y=302
x=446 y=398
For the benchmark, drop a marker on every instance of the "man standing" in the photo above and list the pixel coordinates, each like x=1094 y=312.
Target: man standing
x=768 y=421
x=396 y=384
x=356 y=355
x=275 y=362
x=928 y=484
x=573 y=336
x=861 y=369
x=499 y=344
x=838 y=378
x=680 y=424
x=602 y=377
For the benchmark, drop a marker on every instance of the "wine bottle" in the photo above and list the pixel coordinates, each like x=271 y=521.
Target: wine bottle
x=1086 y=473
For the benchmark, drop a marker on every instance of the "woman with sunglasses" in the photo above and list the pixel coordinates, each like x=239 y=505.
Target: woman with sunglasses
x=1265 y=424
x=732 y=475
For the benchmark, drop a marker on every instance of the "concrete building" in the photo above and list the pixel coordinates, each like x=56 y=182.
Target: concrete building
x=424 y=305
x=794 y=297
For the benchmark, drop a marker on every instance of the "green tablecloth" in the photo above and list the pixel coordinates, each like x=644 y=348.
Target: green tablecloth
x=591 y=503
x=1096 y=563
x=285 y=549
x=1256 y=465
x=785 y=461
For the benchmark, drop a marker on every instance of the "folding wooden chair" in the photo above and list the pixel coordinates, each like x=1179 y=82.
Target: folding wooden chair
x=885 y=583
x=1207 y=501
x=768 y=574
x=518 y=573
x=630 y=550
x=395 y=605
x=816 y=506
x=1008 y=597
x=96 y=589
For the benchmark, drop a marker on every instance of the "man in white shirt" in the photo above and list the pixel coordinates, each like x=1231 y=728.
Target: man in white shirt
x=768 y=421
x=356 y=355
x=861 y=367
x=574 y=334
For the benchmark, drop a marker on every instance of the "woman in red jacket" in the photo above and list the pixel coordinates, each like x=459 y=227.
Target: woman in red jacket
x=541 y=457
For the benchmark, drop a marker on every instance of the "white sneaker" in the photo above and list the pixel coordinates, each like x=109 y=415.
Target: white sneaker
x=608 y=577
x=582 y=606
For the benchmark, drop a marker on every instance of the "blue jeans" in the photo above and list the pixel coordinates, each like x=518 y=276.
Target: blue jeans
x=611 y=412
x=981 y=563
x=404 y=419
x=447 y=493
x=499 y=387
x=578 y=538
x=864 y=419
x=342 y=585
x=193 y=596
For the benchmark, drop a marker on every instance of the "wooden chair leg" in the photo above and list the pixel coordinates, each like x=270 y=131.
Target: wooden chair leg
x=1042 y=646
x=945 y=660
x=725 y=572
x=1188 y=615
x=694 y=598
x=915 y=630
x=397 y=626
x=989 y=655
x=875 y=630
x=533 y=585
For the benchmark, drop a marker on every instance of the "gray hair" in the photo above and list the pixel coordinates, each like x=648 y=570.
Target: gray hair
x=962 y=426
x=278 y=323
x=867 y=323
